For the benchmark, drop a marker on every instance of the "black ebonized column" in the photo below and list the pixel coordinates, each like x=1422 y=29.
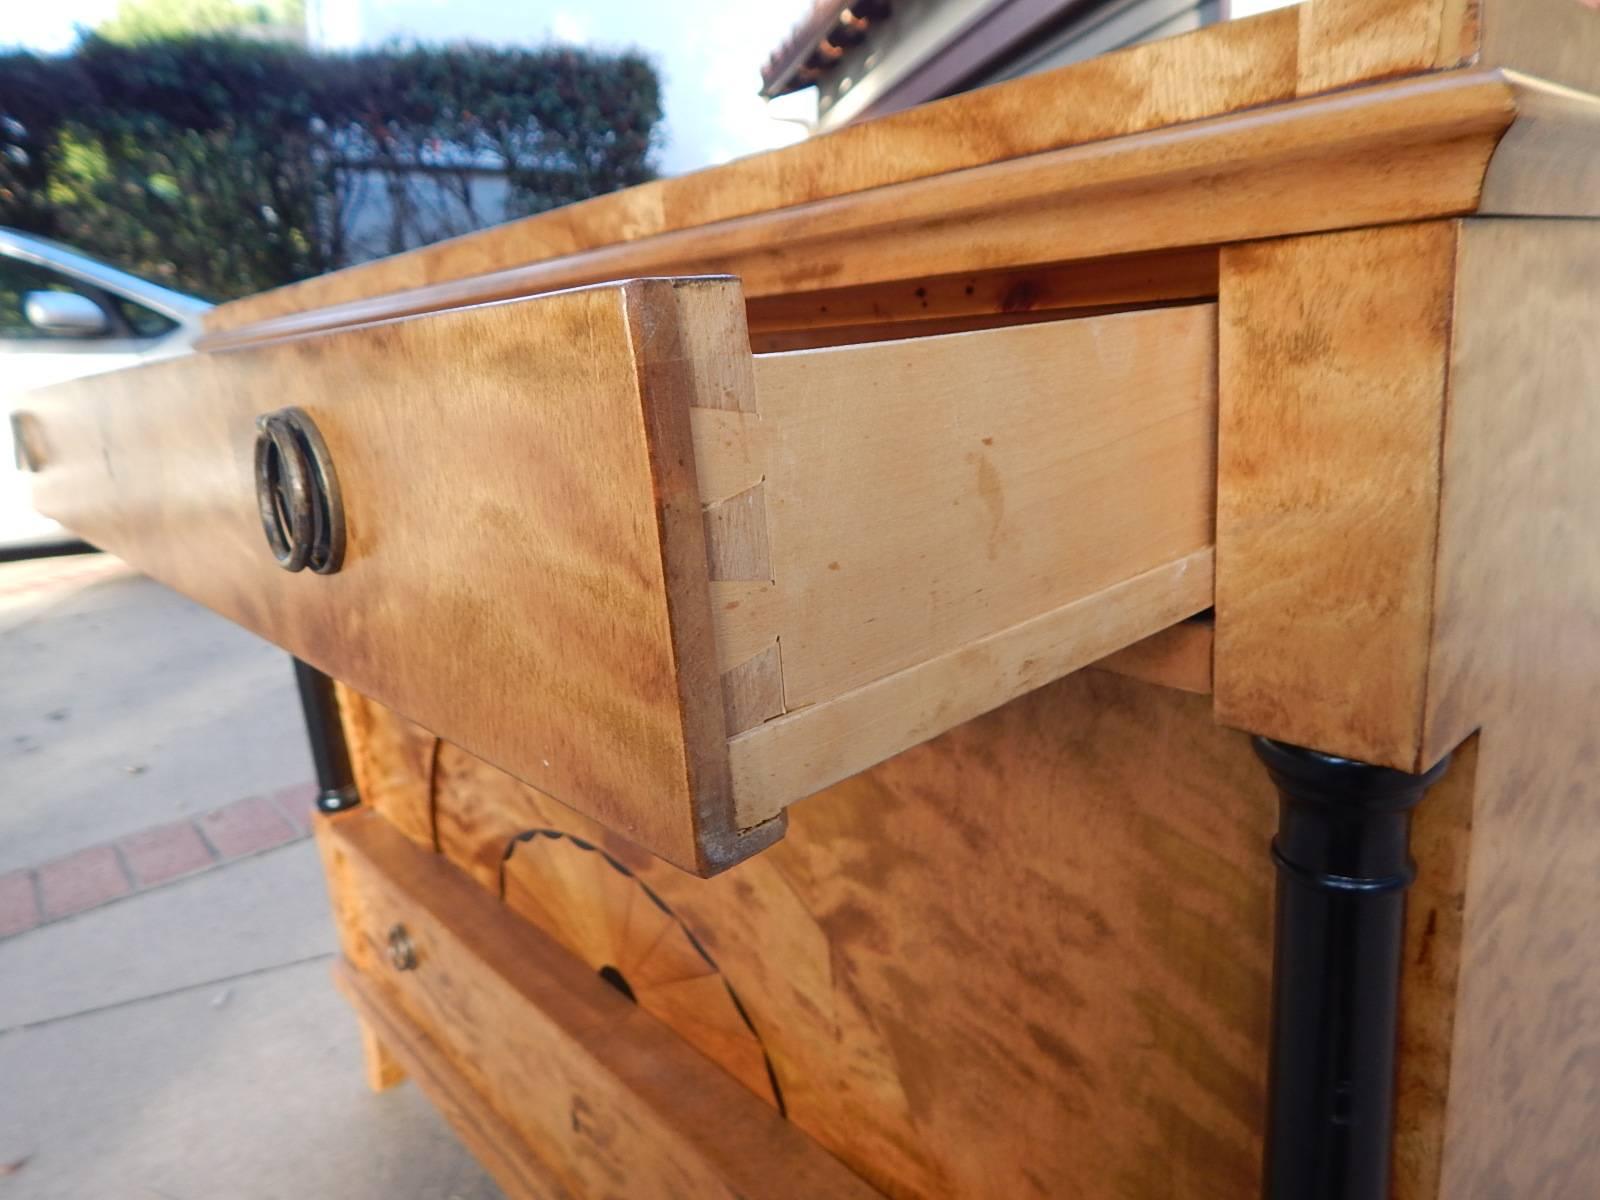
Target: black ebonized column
x=1344 y=864
x=336 y=787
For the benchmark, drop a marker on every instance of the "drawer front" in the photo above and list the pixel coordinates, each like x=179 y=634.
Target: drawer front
x=592 y=539
x=517 y=485
x=558 y=1072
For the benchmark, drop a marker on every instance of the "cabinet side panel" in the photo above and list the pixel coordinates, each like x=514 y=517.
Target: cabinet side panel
x=1344 y=42
x=1332 y=355
x=1517 y=655
x=1558 y=40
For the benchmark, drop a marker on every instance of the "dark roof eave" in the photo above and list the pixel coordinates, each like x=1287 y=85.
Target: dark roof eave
x=791 y=67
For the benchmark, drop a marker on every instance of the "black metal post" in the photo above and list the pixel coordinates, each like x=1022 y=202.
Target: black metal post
x=1344 y=864
x=336 y=787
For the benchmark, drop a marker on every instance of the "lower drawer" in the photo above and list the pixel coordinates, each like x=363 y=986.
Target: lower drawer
x=562 y=1086
x=591 y=538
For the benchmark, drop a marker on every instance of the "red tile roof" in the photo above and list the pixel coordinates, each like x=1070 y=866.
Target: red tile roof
x=818 y=41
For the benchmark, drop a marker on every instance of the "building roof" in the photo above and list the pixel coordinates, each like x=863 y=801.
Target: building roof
x=818 y=41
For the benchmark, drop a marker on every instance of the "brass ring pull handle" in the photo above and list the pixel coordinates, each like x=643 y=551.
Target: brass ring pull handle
x=283 y=493
x=297 y=493
x=402 y=953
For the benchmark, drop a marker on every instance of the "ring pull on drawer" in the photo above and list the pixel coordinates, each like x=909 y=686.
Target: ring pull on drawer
x=402 y=951
x=297 y=493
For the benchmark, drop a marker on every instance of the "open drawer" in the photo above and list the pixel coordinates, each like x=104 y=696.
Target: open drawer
x=589 y=537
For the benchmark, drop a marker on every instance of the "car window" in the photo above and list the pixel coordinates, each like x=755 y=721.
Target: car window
x=17 y=279
x=142 y=322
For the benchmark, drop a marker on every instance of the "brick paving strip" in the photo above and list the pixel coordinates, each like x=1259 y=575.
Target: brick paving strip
x=151 y=857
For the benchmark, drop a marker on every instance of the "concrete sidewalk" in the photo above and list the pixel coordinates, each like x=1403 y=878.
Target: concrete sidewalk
x=168 y=1027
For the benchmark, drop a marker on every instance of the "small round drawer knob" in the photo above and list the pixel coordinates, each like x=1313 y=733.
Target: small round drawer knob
x=402 y=954
x=297 y=493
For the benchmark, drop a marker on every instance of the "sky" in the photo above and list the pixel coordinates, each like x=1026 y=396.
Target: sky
x=709 y=56
x=50 y=27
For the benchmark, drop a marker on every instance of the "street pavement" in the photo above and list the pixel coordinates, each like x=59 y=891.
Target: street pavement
x=168 y=1026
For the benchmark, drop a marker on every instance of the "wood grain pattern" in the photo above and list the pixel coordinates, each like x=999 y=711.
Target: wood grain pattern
x=1027 y=959
x=1332 y=406
x=1548 y=162
x=493 y=1142
x=736 y=536
x=1216 y=70
x=381 y=1069
x=604 y=1094
x=1343 y=42
x=632 y=936
x=393 y=763
x=826 y=336
x=874 y=946
x=1485 y=595
x=1400 y=151
x=830 y=555
x=1312 y=48
x=526 y=572
x=920 y=495
x=1442 y=841
x=752 y=691
x=1514 y=655
x=689 y=351
x=1179 y=657
x=1351 y=41
x=835 y=316
x=790 y=757
x=1558 y=40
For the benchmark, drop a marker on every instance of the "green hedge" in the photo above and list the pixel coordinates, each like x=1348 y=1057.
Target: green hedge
x=219 y=164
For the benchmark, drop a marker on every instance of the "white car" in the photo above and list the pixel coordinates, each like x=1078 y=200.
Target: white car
x=62 y=315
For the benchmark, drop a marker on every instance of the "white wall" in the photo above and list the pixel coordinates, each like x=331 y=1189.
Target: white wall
x=1248 y=8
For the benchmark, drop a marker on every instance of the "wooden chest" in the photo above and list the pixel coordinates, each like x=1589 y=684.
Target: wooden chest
x=797 y=628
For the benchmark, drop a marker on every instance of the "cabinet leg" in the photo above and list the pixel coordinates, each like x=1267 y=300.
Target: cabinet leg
x=382 y=1070
x=1344 y=864
x=336 y=788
